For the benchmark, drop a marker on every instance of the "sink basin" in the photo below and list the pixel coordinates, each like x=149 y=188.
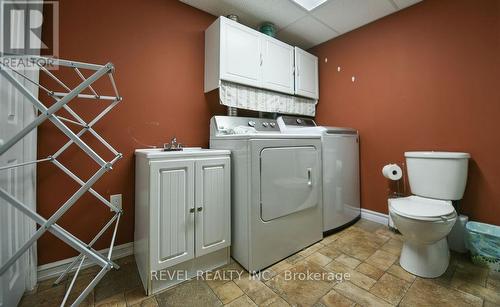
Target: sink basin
x=186 y=151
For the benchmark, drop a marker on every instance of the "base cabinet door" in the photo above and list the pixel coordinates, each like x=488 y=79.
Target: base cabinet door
x=212 y=197
x=172 y=213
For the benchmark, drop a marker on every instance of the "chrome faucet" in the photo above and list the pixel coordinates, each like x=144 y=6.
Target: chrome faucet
x=173 y=145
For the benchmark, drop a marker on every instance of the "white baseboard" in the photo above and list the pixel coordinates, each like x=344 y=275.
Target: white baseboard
x=374 y=216
x=54 y=269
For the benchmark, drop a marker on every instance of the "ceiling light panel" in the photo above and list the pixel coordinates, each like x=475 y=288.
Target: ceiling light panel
x=309 y=4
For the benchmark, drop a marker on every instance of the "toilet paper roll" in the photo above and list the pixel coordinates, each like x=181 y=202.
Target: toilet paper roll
x=392 y=172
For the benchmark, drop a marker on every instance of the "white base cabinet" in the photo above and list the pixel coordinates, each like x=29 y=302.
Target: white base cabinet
x=182 y=214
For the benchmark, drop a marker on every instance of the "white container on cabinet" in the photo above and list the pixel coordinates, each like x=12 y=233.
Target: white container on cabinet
x=182 y=214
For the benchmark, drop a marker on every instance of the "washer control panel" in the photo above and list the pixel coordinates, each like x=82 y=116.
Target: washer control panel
x=228 y=123
x=298 y=121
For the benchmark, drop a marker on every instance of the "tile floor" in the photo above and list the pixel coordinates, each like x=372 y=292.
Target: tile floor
x=368 y=251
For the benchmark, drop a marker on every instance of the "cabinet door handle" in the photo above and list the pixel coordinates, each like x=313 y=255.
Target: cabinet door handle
x=261 y=59
x=199 y=209
x=191 y=210
x=309 y=179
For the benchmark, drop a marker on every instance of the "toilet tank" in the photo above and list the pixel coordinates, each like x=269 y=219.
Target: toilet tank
x=435 y=174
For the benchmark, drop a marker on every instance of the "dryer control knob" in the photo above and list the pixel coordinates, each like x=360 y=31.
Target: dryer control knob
x=265 y=124
x=299 y=121
x=251 y=123
x=272 y=124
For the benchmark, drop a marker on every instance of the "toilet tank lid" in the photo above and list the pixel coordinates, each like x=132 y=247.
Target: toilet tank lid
x=437 y=155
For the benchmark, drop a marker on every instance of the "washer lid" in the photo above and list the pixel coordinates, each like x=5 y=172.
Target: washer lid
x=419 y=207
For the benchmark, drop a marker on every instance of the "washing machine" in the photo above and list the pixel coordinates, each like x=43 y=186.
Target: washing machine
x=340 y=163
x=275 y=189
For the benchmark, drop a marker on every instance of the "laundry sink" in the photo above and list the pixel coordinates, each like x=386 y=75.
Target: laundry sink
x=186 y=151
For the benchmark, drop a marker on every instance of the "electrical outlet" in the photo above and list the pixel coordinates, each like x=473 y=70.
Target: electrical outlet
x=116 y=200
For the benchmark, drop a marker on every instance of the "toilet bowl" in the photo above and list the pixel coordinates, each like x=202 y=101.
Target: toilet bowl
x=425 y=252
x=427 y=217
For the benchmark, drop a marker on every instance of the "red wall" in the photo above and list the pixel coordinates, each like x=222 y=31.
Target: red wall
x=427 y=78
x=157 y=47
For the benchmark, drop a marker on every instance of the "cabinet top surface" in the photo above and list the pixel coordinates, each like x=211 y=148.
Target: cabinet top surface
x=186 y=152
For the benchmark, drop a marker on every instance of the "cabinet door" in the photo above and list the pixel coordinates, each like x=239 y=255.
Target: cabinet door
x=306 y=74
x=240 y=54
x=172 y=213
x=213 y=212
x=277 y=65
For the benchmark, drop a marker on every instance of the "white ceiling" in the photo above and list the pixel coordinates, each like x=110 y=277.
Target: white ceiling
x=296 y=25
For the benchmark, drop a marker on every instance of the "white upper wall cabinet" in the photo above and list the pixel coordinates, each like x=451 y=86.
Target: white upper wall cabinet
x=237 y=53
x=306 y=74
x=240 y=54
x=277 y=65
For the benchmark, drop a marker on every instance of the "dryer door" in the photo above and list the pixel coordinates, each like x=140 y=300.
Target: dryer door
x=289 y=180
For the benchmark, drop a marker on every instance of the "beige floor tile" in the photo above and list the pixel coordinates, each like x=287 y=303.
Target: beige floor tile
x=190 y=293
x=386 y=232
x=228 y=292
x=117 y=300
x=49 y=283
x=242 y=301
x=80 y=284
x=348 y=261
x=472 y=273
x=366 y=283
x=335 y=299
x=294 y=258
x=357 y=243
x=319 y=259
x=426 y=293
x=118 y=281
x=149 y=302
x=310 y=250
x=368 y=225
x=51 y=296
x=399 y=272
x=295 y=289
x=278 y=268
x=393 y=246
x=255 y=289
x=369 y=270
x=445 y=279
x=493 y=281
x=381 y=259
x=489 y=304
x=353 y=276
x=331 y=250
x=461 y=282
x=359 y=295
x=390 y=288
x=223 y=275
x=331 y=238
x=275 y=302
x=135 y=296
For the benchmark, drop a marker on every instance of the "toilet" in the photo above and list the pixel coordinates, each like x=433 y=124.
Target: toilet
x=427 y=217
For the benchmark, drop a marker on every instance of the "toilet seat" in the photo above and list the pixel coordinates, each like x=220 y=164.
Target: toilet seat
x=420 y=208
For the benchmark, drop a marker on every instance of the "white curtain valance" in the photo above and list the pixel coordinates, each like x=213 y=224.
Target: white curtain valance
x=250 y=98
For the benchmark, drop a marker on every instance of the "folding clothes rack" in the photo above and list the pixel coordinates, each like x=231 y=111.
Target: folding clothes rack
x=62 y=99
